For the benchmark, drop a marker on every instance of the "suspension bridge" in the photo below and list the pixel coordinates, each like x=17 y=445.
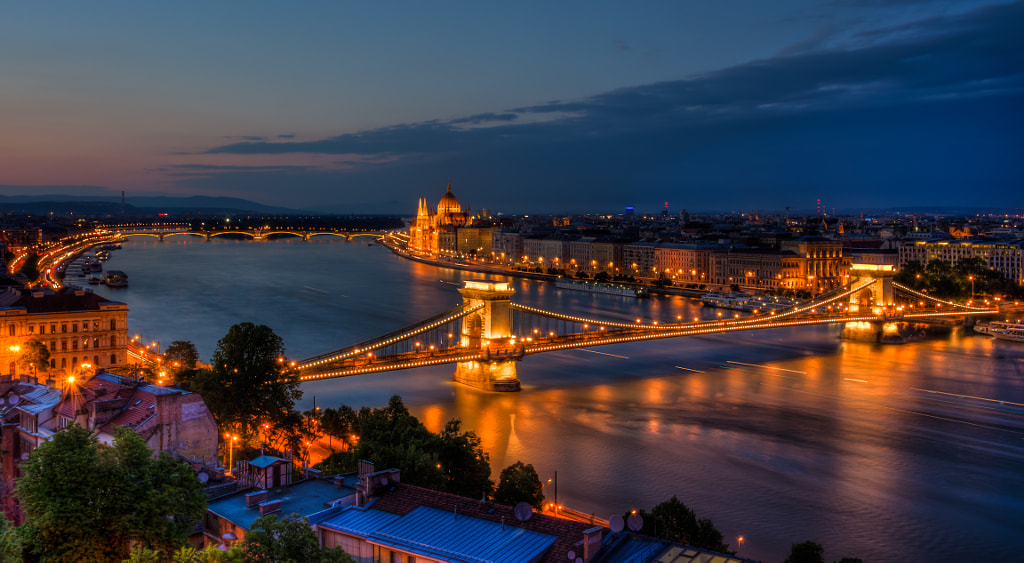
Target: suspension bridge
x=487 y=334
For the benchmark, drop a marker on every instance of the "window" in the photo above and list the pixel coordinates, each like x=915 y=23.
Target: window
x=85 y=326
x=74 y=361
x=95 y=360
x=74 y=327
x=53 y=329
x=113 y=324
x=63 y=327
x=74 y=344
x=10 y=330
x=63 y=345
x=53 y=362
x=95 y=325
x=63 y=363
x=95 y=342
x=31 y=329
x=113 y=359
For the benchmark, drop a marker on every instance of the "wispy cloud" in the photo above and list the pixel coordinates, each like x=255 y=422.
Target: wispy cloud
x=807 y=90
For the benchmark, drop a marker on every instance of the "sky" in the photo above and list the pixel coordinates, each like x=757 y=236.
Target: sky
x=526 y=107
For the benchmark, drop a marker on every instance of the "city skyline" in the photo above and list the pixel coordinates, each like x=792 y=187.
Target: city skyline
x=860 y=104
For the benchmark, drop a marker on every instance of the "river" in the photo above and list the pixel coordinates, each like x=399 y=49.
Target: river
x=911 y=453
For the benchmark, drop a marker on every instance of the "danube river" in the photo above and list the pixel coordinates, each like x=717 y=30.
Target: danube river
x=912 y=452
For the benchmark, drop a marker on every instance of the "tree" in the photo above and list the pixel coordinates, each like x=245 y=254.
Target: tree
x=248 y=382
x=674 y=521
x=181 y=359
x=34 y=355
x=10 y=542
x=464 y=463
x=287 y=539
x=84 y=502
x=806 y=552
x=519 y=482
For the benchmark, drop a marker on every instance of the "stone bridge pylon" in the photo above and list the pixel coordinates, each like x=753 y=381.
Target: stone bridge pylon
x=489 y=329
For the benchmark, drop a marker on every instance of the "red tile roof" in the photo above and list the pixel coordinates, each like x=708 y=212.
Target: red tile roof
x=63 y=301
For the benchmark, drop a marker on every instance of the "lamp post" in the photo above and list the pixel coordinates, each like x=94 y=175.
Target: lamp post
x=972 y=286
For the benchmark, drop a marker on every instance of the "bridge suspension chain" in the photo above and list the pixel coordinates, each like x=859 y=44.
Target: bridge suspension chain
x=401 y=334
x=927 y=297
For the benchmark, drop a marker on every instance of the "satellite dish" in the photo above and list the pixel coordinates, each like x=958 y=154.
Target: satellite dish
x=14 y=399
x=635 y=522
x=523 y=511
x=579 y=560
x=572 y=555
x=203 y=477
x=616 y=523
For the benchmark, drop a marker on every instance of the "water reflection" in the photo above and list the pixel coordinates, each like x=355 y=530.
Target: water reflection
x=910 y=452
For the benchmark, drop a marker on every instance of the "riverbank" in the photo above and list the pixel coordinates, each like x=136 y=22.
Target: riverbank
x=498 y=270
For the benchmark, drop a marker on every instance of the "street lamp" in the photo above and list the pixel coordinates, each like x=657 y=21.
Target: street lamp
x=972 y=286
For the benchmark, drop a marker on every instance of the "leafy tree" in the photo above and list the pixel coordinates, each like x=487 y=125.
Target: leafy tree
x=187 y=554
x=806 y=552
x=287 y=539
x=84 y=502
x=248 y=382
x=339 y=423
x=31 y=266
x=519 y=482
x=465 y=464
x=674 y=521
x=34 y=355
x=181 y=359
x=10 y=542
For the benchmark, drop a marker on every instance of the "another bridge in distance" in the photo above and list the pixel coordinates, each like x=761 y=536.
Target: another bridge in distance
x=252 y=234
x=487 y=333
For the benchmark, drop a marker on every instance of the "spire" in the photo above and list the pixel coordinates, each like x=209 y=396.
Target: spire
x=449 y=184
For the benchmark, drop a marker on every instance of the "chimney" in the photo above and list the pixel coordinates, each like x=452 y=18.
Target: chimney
x=365 y=468
x=592 y=542
x=252 y=499
x=269 y=506
x=313 y=473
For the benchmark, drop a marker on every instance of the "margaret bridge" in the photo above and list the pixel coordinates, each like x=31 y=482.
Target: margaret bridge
x=253 y=234
x=487 y=334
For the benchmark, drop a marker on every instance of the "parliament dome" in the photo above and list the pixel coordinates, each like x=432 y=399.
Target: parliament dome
x=449 y=203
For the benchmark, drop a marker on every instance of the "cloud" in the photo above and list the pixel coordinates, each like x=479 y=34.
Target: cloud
x=620 y=45
x=804 y=95
x=286 y=136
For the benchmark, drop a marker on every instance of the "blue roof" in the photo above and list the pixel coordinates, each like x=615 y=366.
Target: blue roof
x=359 y=521
x=439 y=533
x=264 y=461
x=307 y=498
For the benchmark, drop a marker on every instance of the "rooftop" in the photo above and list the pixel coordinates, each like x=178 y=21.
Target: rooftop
x=445 y=534
x=305 y=498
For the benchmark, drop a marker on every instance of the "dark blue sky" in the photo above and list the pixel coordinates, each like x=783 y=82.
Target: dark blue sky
x=860 y=103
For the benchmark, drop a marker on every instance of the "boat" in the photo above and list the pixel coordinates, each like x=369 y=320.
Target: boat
x=95 y=280
x=116 y=278
x=735 y=300
x=1012 y=332
x=739 y=301
x=598 y=287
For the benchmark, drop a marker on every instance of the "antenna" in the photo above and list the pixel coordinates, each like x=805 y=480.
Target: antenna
x=635 y=522
x=523 y=511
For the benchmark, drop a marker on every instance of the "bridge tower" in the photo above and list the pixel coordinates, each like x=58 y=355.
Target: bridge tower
x=876 y=296
x=879 y=299
x=489 y=329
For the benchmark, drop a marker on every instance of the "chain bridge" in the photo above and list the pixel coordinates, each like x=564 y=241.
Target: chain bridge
x=487 y=334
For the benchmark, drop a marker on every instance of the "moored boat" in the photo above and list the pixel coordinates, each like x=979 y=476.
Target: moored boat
x=116 y=278
x=598 y=287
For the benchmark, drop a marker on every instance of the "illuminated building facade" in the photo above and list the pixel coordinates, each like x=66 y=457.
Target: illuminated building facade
x=76 y=325
x=433 y=231
x=1006 y=257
